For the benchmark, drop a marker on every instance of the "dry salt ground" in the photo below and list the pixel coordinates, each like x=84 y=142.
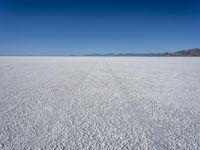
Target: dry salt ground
x=99 y=103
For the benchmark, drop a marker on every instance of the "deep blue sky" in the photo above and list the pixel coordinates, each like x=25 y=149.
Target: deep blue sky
x=58 y=27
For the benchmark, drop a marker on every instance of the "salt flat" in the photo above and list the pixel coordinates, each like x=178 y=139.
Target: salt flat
x=99 y=103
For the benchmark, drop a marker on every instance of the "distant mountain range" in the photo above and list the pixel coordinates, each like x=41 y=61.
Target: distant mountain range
x=195 y=52
x=189 y=52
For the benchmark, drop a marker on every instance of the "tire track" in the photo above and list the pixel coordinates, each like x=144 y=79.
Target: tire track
x=141 y=115
x=63 y=106
x=162 y=135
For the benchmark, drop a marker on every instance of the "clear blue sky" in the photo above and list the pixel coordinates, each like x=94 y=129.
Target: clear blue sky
x=58 y=27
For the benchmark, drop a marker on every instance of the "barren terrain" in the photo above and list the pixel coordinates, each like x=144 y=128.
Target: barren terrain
x=99 y=103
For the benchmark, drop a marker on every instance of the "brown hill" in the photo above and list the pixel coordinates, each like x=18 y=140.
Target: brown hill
x=189 y=52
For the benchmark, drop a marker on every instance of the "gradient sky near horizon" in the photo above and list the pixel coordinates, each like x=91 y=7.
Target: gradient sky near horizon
x=62 y=27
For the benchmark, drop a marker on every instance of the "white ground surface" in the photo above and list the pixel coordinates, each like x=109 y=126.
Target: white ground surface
x=99 y=103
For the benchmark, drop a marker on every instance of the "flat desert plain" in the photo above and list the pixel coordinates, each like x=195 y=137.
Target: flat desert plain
x=99 y=103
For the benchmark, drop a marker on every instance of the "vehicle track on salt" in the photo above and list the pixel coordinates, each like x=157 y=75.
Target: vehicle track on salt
x=159 y=134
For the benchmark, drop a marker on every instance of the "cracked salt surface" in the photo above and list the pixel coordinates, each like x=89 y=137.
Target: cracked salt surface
x=99 y=103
